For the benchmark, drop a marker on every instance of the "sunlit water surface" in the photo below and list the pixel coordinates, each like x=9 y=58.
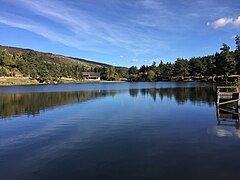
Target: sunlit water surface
x=115 y=131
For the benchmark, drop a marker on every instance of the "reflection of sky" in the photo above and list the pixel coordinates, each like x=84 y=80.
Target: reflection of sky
x=224 y=131
x=120 y=131
x=34 y=103
x=98 y=86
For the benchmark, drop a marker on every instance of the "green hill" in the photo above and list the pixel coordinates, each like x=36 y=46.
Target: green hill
x=60 y=59
x=48 y=67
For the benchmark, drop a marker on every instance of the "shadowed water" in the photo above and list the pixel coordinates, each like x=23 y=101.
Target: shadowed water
x=115 y=131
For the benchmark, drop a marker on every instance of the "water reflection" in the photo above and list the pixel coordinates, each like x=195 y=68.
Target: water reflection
x=180 y=94
x=33 y=103
x=139 y=134
x=228 y=122
x=228 y=117
x=224 y=131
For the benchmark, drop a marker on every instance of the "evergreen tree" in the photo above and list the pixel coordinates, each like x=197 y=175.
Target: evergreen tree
x=153 y=66
x=6 y=59
x=104 y=73
x=169 y=70
x=225 y=62
x=237 y=53
x=197 y=66
x=181 y=68
x=142 y=69
x=133 y=70
x=211 y=67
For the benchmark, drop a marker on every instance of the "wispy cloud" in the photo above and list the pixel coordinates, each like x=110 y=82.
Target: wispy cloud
x=223 y=22
x=82 y=29
x=134 y=60
x=136 y=28
x=67 y=40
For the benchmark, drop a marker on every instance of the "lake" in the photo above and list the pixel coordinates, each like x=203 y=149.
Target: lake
x=163 y=130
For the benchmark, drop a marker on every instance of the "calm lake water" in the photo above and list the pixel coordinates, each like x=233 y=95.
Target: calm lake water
x=115 y=131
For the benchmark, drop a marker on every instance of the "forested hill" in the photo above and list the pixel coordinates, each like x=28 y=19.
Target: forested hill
x=60 y=59
x=47 y=67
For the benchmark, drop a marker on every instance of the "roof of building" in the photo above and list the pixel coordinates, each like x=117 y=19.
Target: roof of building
x=90 y=74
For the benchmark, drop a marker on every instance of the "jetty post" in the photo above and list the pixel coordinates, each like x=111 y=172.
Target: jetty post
x=230 y=94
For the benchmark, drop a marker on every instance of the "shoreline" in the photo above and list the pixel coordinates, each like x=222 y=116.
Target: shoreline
x=24 y=81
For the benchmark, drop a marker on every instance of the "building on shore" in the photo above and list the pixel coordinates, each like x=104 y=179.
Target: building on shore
x=91 y=76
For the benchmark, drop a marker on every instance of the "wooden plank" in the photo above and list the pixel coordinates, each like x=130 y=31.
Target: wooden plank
x=228 y=93
x=226 y=116
x=229 y=111
x=227 y=102
x=226 y=97
x=227 y=87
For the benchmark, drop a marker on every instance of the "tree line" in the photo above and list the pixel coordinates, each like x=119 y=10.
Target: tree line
x=34 y=66
x=224 y=63
x=33 y=103
x=180 y=94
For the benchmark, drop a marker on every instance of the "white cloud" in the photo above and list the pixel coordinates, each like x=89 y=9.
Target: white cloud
x=139 y=28
x=134 y=60
x=222 y=22
x=223 y=131
x=237 y=21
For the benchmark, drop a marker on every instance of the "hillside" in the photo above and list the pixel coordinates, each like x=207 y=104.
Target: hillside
x=48 y=67
x=53 y=58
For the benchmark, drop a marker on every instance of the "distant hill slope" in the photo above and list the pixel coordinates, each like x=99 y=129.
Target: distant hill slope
x=59 y=59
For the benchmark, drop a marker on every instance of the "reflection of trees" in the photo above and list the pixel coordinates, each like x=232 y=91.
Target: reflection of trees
x=133 y=92
x=33 y=103
x=181 y=94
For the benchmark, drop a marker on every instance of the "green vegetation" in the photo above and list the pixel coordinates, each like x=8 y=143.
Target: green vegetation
x=49 y=68
x=220 y=66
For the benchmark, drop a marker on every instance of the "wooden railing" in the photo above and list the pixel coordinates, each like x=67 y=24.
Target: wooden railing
x=229 y=93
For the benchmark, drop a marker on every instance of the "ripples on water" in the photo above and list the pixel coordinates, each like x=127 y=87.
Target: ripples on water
x=115 y=131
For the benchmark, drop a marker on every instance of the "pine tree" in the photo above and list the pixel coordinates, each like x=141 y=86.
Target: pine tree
x=226 y=61
x=181 y=68
x=237 y=53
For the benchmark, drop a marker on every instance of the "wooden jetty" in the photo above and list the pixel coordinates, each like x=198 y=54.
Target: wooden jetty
x=229 y=114
x=228 y=94
x=228 y=117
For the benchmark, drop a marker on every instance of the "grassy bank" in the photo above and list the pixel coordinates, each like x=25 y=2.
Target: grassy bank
x=15 y=81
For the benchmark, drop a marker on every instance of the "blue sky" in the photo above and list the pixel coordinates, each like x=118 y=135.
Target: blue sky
x=121 y=32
